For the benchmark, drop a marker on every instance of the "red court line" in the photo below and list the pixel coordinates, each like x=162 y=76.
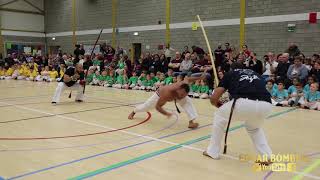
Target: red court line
x=78 y=135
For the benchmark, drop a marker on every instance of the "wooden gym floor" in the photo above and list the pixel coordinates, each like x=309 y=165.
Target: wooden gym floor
x=95 y=139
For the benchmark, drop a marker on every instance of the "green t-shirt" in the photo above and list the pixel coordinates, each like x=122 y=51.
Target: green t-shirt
x=90 y=78
x=110 y=80
x=195 y=88
x=168 y=80
x=121 y=65
x=204 y=89
x=147 y=83
x=155 y=79
x=96 y=62
x=121 y=80
x=142 y=79
x=102 y=78
x=133 y=80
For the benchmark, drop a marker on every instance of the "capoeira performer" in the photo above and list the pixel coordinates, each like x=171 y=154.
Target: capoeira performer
x=72 y=79
x=250 y=102
x=177 y=92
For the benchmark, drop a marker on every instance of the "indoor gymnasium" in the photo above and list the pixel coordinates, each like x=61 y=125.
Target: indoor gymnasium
x=159 y=89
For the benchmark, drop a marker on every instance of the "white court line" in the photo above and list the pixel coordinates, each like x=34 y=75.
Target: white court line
x=139 y=135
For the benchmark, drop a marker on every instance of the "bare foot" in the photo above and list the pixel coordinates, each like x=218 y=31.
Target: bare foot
x=131 y=115
x=193 y=125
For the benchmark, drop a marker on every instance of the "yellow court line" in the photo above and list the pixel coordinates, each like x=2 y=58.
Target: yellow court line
x=308 y=169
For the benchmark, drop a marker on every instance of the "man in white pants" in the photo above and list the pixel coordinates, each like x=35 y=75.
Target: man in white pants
x=177 y=92
x=73 y=79
x=253 y=104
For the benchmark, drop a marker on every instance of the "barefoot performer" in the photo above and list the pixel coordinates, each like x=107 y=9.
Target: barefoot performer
x=177 y=92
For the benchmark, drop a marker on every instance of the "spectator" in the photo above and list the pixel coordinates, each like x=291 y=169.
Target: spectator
x=77 y=53
x=200 y=52
x=9 y=61
x=109 y=53
x=269 y=86
x=128 y=65
x=312 y=98
x=310 y=80
x=175 y=63
x=186 y=50
x=227 y=49
x=280 y=96
x=155 y=64
x=220 y=75
x=307 y=63
x=270 y=65
x=246 y=50
x=145 y=64
x=219 y=56
x=293 y=51
x=168 y=52
x=283 y=66
x=282 y=69
x=255 y=64
x=204 y=64
x=227 y=62
x=186 y=65
x=297 y=70
x=315 y=71
x=164 y=63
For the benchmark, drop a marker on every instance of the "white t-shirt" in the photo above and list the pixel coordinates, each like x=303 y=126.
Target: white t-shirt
x=267 y=72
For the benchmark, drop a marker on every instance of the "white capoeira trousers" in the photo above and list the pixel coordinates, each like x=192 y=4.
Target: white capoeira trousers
x=62 y=86
x=185 y=103
x=252 y=113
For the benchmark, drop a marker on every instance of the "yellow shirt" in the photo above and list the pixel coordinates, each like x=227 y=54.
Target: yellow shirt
x=21 y=70
x=2 y=72
x=27 y=72
x=9 y=72
x=24 y=67
x=61 y=73
x=53 y=74
x=34 y=73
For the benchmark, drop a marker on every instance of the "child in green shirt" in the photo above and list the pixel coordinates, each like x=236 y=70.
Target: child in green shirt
x=154 y=78
x=110 y=79
x=90 y=76
x=169 y=80
x=195 y=89
x=121 y=80
x=133 y=81
x=103 y=78
x=204 y=90
x=96 y=63
x=147 y=84
x=141 y=78
x=161 y=81
x=95 y=80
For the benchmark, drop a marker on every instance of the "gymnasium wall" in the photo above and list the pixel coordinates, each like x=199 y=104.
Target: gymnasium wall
x=18 y=27
x=266 y=29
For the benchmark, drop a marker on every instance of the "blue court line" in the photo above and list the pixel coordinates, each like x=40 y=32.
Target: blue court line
x=97 y=155
x=126 y=147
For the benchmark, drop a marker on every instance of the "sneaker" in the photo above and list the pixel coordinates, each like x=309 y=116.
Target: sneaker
x=79 y=101
x=53 y=103
x=278 y=104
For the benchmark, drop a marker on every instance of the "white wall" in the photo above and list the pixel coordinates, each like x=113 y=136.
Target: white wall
x=20 y=21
